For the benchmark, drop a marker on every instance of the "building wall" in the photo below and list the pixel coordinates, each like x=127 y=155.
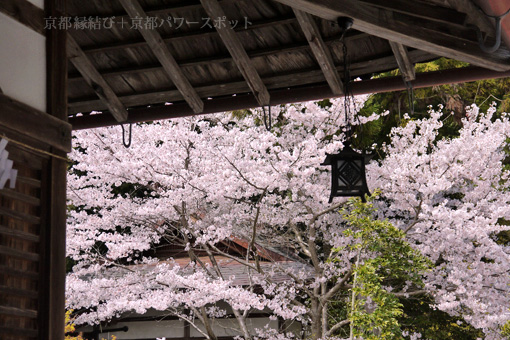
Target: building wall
x=33 y=118
x=176 y=329
x=173 y=329
x=23 y=62
x=148 y=330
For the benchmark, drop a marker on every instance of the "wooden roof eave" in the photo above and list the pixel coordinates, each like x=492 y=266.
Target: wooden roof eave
x=238 y=53
x=160 y=50
x=283 y=96
x=237 y=87
x=320 y=51
x=95 y=80
x=379 y=22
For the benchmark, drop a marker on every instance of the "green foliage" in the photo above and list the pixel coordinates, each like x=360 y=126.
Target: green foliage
x=433 y=324
x=506 y=330
x=383 y=256
x=454 y=98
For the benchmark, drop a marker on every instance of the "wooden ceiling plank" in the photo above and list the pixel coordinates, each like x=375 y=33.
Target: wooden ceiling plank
x=288 y=79
x=283 y=96
x=175 y=36
x=421 y=10
x=182 y=6
x=160 y=50
x=379 y=22
x=238 y=53
x=320 y=51
x=95 y=80
x=403 y=60
x=474 y=15
x=220 y=58
x=113 y=72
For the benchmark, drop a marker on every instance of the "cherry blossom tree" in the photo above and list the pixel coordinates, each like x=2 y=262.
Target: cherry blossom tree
x=451 y=197
x=202 y=180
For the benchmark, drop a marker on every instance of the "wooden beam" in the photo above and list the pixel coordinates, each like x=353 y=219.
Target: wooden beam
x=24 y=12
x=380 y=22
x=287 y=79
x=95 y=80
x=283 y=96
x=404 y=62
x=112 y=72
x=164 y=56
x=36 y=124
x=421 y=9
x=236 y=50
x=320 y=51
x=56 y=70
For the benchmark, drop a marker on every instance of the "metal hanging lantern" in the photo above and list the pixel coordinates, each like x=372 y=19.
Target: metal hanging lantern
x=348 y=177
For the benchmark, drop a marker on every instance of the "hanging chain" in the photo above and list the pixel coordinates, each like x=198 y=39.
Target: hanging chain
x=410 y=96
x=267 y=124
x=349 y=101
x=347 y=97
x=350 y=108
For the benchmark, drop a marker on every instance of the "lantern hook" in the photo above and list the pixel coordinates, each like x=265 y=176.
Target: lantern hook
x=497 y=43
x=128 y=144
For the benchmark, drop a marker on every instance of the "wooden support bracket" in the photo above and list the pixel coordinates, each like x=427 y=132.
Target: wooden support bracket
x=160 y=50
x=238 y=53
x=320 y=51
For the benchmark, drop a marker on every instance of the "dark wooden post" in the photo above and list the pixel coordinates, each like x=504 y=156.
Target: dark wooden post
x=52 y=311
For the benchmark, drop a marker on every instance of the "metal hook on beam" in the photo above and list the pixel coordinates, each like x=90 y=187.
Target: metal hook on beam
x=128 y=144
x=497 y=43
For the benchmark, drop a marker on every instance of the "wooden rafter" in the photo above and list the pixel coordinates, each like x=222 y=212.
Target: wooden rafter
x=282 y=96
x=164 y=56
x=24 y=12
x=421 y=9
x=95 y=80
x=320 y=51
x=274 y=82
x=238 y=53
x=403 y=60
x=380 y=22
x=112 y=72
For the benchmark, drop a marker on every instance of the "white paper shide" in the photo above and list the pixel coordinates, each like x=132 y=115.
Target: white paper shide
x=7 y=173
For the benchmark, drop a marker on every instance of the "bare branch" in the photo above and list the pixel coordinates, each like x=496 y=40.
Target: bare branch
x=336 y=288
x=326 y=211
x=242 y=175
x=416 y=217
x=251 y=246
x=299 y=238
x=336 y=326
x=406 y=294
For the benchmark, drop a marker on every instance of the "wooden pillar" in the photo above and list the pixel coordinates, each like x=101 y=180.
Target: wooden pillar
x=52 y=311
